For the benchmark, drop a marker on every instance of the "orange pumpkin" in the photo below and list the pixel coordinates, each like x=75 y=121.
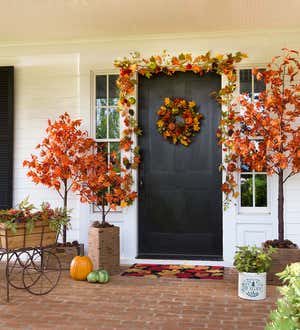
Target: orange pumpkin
x=80 y=267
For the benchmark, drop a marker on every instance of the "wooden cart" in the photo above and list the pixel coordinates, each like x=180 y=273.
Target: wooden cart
x=30 y=265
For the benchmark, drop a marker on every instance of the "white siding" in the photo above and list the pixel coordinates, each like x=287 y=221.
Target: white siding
x=54 y=78
x=292 y=209
x=46 y=85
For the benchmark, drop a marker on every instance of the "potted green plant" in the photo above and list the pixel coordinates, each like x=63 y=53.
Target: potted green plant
x=287 y=314
x=252 y=263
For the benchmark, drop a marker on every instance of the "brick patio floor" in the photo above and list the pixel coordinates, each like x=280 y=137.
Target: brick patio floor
x=137 y=303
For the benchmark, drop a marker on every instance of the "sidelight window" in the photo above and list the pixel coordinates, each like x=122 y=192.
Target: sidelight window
x=253 y=185
x=106 y=117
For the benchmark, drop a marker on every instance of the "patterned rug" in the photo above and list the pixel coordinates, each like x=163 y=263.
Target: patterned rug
x=176 y=271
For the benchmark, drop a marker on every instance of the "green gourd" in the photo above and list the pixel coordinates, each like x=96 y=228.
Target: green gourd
x=93 y=277
x=103 y=276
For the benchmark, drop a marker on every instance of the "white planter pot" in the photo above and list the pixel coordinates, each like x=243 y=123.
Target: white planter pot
x=252 y=286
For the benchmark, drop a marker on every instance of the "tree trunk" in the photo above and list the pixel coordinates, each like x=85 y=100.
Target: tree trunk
x=280 y=207
x=66 y=210
x=103 y=210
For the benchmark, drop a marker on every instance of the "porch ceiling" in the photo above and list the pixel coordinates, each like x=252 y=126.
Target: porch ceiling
x=59 y=20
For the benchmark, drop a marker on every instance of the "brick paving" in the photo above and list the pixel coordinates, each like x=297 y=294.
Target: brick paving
x=137 y=303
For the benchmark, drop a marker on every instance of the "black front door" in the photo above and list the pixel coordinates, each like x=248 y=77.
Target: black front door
x=180 y=202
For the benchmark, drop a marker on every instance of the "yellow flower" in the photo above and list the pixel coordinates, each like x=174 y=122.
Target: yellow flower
x=133 y=67
x=167 y=101
x=219 y=57
x=192 y=104
x=160 y=123
x=123 y=204
x=196 y=127
x=184 y=142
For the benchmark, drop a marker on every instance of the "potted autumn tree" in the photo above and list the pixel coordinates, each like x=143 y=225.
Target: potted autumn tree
x=265 y=136
x=57 y=166
x=253 y=263
x=106 y=185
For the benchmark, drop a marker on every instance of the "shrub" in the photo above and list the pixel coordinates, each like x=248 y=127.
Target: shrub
x=287 y=314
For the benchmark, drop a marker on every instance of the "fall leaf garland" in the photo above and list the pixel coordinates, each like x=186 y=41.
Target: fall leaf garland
x=168 y=64
x=178 y=120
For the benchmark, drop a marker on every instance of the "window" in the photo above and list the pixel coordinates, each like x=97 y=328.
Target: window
x=253 y=185
x=106 y=117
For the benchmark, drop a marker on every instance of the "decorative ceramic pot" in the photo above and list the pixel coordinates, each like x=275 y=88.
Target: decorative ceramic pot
x=252 y=286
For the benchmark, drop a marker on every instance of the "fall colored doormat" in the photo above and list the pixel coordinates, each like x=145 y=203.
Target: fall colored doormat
x=176 y=271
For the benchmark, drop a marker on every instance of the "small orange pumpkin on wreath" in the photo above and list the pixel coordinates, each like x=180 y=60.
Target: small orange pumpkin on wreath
x=178 y=120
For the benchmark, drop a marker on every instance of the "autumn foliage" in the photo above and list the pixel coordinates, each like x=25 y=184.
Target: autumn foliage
x=60 y=157
x=68 y=160
x=105 y=183
x=265 y=133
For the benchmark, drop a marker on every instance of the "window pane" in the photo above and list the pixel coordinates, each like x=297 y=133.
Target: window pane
x=113 y=90
x=246 y=81
x=261 y=190
x=259 y=85
x=103 y=148
x=101 y=123
x=101 y=90
x=114 y=147
x=114 y=123
x=246 y=190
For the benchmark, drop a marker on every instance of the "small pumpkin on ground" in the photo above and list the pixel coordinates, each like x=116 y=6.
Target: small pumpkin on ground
x=103 y=276
x=92 y=277
x=100 y=276
x=81 y=267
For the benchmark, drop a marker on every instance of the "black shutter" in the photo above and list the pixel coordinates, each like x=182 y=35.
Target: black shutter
x=6 y=136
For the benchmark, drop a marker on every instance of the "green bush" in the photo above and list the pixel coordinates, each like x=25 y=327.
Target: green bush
x=287 y=314
x=251 y=259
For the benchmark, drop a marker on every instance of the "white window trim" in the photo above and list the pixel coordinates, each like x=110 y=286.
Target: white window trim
x=93 y=75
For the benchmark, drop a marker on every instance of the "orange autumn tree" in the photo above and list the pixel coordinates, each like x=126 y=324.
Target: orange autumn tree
x=60 y=156
x=265 y=134
x=105 y=184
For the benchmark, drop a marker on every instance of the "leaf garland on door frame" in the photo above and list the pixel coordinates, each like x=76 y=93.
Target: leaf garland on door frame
x=133 y=65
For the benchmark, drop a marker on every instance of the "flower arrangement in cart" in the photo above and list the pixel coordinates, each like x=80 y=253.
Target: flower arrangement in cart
x=178 y=120
x=27 y=214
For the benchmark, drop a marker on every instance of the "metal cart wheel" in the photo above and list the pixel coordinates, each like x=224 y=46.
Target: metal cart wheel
x=42 y=272
x=15 y=266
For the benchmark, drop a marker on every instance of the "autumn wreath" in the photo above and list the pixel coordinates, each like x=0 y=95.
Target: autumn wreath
x=178 y=120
